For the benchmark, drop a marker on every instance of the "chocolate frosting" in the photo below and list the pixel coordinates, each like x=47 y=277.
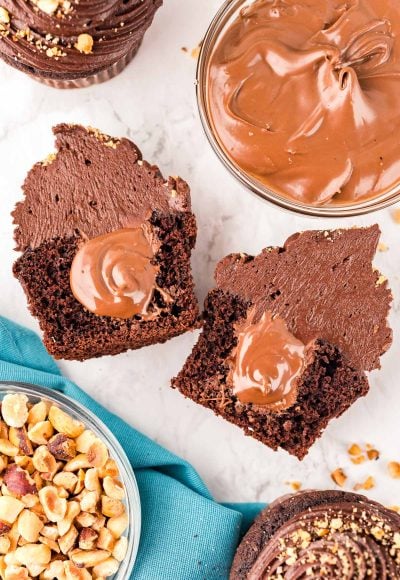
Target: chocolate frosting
x=266 y=363
x=322 y=285
x=114 y=274
x=347 y=538
x=92 y=186
x=116 y=27
x=303 y=96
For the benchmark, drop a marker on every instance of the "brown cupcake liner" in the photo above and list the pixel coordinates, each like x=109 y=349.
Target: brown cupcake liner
x=100 y=77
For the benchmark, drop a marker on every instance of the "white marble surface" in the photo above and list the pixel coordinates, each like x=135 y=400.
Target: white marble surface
x=153 y=102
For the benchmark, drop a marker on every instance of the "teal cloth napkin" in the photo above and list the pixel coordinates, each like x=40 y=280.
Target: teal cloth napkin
x=186 y=535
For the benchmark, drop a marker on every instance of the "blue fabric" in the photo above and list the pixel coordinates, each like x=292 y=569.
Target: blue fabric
x=186 y=535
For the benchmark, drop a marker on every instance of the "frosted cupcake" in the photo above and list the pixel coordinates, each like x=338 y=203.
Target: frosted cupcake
x=71 y=43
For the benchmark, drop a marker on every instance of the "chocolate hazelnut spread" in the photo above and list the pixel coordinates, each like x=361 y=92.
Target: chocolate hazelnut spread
x=266 y=363
x=303 y=97
x=113 y=274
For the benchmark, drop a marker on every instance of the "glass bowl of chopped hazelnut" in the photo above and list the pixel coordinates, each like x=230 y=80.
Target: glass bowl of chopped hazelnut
x=69 y=501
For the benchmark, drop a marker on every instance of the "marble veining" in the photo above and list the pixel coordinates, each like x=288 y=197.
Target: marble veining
x=153 y=102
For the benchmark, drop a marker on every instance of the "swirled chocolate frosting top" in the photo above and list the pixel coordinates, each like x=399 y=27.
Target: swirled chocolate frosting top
x=91 y=186
x=322 y=285
x=41 y=36
x=303 y=96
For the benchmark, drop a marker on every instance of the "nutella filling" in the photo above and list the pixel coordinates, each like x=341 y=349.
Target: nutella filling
x=303 y=97
x=266 y=363
x=114 y=274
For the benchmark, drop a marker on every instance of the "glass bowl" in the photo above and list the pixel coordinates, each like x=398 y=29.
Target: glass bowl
x=224 y=17
x=77 y=411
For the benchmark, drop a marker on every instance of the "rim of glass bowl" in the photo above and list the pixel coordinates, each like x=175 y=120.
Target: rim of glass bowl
x=128 y=478
x=222 y=18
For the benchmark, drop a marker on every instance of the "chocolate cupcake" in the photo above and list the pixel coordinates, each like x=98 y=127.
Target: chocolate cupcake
x=321 y=534
x=73 y=43
x=289 y=334
x=106 y=244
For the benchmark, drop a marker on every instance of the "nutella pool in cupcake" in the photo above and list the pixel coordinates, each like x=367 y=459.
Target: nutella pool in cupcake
x=303 y=97
x=73 y=43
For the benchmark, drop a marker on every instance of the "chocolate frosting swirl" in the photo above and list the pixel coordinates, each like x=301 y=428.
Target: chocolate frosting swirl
x=114 y=274
x=340 y=539
x=116 y=26
x=266 y=363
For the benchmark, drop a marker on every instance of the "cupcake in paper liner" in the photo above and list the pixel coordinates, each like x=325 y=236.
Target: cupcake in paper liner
x=73 y=43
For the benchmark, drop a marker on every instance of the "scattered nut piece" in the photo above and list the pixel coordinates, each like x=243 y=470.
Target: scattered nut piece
x=114 y=488
x=67 y=541
x=118 y=525
x=339 y=477
x=7 y=448
x=14 y=409
x=373 y=454
x=72 y=572
x=64 y=423
x=120 y=549
x=369 y=483
x=10 y=508
x=358 y=459
x=382 y=247
x=354 y=450
x=394 y=469
x=106 y=540
x=19 y=438
x=85 y=440
x=18 y=481
x=110 y=507
x=54 y=506
x=396 y=216
x=41 y=432
x=88 y=558
x=97 y=454
x=43 y=460
x=88 y=539
x=107 y=568
x=84 y=43
x=77 y=463
x=62 y=447
x=29 y=526
x=37 y=413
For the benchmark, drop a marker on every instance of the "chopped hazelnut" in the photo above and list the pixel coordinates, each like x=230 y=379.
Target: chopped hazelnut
x=369 y=483
x=339 y=477
x=84 y=43
x=394 y=469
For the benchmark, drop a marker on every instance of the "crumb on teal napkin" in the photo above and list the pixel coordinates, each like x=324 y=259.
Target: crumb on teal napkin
x=186 y=535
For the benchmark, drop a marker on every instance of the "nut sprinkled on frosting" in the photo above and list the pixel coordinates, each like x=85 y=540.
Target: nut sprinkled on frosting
x=84 y=43
x=48 y=6
x=4 y=16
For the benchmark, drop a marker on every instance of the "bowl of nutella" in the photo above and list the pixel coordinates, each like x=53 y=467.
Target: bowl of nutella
x=300 y=100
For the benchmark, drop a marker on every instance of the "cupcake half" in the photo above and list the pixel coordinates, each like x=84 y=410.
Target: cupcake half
x=71 y=43
x=289 y=335
x=321 y=534
x=106 y=244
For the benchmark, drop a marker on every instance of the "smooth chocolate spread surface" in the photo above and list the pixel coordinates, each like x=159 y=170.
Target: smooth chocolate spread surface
x=323 y=285
x=113 y=274
x=92 y=186
x=303 y=96
x=344 y=537
x=266 y=363
x=43 y=40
